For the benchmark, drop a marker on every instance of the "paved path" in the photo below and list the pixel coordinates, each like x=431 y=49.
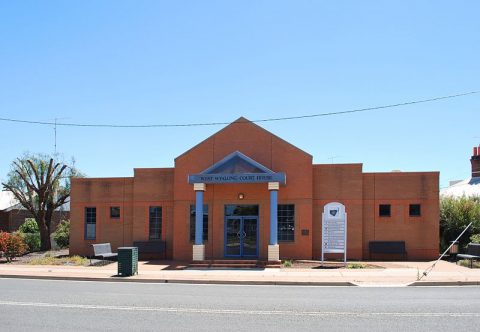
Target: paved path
x=43 y=305
x=393 y=273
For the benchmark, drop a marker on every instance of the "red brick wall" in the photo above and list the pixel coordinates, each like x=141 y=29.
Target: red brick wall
x=361 y=193
x=102 y=194
x=421 y=234
x=134 y=196
x=343 y=184
x=153 y=187
x=264 y=148
x=308 y=186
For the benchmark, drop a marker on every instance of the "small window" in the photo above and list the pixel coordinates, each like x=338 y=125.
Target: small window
x=192 y=222
x=384 y=210
x=286 y=222
x=90 y=223
x=155 y=223
x=415 y=210
x=114 y=212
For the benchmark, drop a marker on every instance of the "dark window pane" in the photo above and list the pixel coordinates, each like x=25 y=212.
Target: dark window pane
x=286 y=222
x=384 y=210
x=241 y=210
x=415 y=210
x=155 y=222
x=90 y=223
x=115 y=212
x=192 y=222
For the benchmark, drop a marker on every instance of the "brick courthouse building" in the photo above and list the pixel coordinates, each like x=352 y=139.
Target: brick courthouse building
x=255 y=196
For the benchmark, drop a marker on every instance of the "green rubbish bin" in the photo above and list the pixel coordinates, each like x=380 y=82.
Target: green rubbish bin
x=127 y=261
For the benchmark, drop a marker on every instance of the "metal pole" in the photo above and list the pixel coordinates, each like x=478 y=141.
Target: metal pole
x=55 y=130
x=323 y=236
x=424 y=274
x=345 y=241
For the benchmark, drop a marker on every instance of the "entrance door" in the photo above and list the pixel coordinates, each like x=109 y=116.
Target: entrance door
x=241 y=236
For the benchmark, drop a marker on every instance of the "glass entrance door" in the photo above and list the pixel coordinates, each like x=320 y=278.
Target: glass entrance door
x=241 y=236
x=233 y=235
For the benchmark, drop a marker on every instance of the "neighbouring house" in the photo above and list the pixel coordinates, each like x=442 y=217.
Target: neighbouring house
x=245 y=193
x=470 y=186
x=13 y=214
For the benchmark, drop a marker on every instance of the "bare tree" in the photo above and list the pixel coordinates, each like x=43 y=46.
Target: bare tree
x=41 y=185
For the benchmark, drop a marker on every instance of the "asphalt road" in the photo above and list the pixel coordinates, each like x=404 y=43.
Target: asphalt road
x=41 y=305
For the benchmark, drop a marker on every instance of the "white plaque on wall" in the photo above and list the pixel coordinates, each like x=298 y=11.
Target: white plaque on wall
x=334 y=230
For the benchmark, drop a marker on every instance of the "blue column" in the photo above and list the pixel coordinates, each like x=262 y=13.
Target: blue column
x=199 y=217
x=273 y=217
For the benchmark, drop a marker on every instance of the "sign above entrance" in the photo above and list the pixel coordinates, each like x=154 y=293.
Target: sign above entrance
x=236 y=178
x=237 y=168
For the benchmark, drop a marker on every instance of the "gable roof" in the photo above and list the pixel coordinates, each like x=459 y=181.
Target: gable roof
x=469 y=187
x=8 y=203
x=65 y=207
x=7 y=199
x=242 y=120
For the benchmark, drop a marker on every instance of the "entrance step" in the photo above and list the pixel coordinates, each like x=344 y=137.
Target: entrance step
x=233 y=264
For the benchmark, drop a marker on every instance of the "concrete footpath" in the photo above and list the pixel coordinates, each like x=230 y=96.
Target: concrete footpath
x=387 y=274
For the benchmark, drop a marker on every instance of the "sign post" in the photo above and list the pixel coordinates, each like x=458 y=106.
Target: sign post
x=334 y=230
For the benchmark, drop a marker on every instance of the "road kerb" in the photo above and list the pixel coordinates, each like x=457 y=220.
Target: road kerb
x=184 y=281
x=444 y=283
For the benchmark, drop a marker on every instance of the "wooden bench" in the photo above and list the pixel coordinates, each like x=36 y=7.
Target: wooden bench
x=151 y=249
x=387 y=247
x=473 y=253
x=103 y=250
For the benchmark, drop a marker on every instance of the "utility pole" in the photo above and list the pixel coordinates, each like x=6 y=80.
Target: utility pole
x=55 y=133
x=55 y=130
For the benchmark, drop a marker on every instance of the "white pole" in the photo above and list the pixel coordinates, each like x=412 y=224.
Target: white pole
x=323 y=234
x=345 y=240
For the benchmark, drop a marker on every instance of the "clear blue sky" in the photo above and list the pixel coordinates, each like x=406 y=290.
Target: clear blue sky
x=140 y=62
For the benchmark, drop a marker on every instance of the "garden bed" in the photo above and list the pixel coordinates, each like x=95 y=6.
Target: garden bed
x=51 y=257
x=466 y=263
x=313 y=264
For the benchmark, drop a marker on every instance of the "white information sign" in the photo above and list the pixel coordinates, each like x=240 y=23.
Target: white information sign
x=334 y=230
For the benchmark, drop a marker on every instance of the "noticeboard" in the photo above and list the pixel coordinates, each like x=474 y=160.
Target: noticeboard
x=334 y=230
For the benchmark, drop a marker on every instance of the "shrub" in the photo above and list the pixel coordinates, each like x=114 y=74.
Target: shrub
x=287 y=263
x=455 y=215
x=31 y=235
x=32 y=240
x=29 y=226
x=12 y=245
x=4 y=236
x=475 y=238
x=62 y=234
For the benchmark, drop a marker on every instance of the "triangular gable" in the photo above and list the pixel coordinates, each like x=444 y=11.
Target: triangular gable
x=236 y=163
x=237 y=168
